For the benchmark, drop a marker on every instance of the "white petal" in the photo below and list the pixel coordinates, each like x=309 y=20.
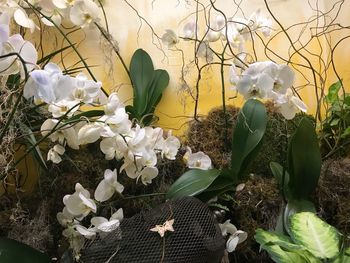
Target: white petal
x=299 y=104
x=147 y=174
x=22 y=19
x=232 y=243
x=89 y=133
x=88 y=202
x=109 y=226
x=104 y=191
x=119 y=215
x=98 y=220
x=88 y=233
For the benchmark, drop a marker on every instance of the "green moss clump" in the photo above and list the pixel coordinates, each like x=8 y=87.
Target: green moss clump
x=333 y=194
x=256 y=206
x=208 y=136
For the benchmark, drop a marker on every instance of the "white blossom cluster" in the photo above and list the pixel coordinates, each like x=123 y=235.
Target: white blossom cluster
x=236 y=31
x=268 y=80
x=79 y=12
x=137 y=148
x=11 y=47
x=234 y=236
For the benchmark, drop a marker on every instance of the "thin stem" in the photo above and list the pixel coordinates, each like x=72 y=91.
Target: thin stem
x=224 y=95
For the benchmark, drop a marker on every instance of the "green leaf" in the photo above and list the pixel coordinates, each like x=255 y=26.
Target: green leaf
x=249 y=130
x=141 y=73
x=345 y=133
x=319 y=238
x=12 y=251
x=343 y=257
x=222 y=184
x=304 y=161
x=159 y=83
x=30 y=138
x=272 y=243
x=192 y=183
x=87 y=114
x=293 y=207
x=333 y=92
x=277 y=171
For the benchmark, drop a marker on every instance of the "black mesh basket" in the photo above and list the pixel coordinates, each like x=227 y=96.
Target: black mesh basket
x=196 y=237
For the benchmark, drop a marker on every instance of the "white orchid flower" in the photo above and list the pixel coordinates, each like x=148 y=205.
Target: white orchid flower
x=108 y=186
x=169 y=38
x=217 y=29
x=262 y=23
x=288 y=105
x=204 y=51
x=55 y=153
x=53 y=12
x=85 y=90
x=79 y=204
x=154 y=136
x=84 y=12
x=67 y=133
x=189 y=29
x=198 y=160
x=234 y=78
x=148 y=157
x=137 y=140
x=119 y=122
x=89 y=133
x=63 y=107
x=170 y=147
x=148 y=174
x=256 y=81
x=12 y=64
x=65 y=218
x=113 y=104
x=236 y=236
x=48 y=85
x=114 y=147
x=234 y=37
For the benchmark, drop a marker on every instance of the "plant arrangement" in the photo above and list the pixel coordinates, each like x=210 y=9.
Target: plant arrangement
x=54 y=112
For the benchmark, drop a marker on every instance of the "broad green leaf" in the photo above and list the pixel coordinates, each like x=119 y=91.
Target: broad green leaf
x=12 y=251
x=249 y=130
x=159 y=83
x=272 y=242
x=192 y=183
x=293 y=207
x=333 y=92
x=304 y=161
x=222 y=184
x=141 y=73
x=319 y=238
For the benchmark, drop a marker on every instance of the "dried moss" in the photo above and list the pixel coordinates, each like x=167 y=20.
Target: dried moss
x=333 y=194
x=208 y=136
x=256 y=206
x=34 y=232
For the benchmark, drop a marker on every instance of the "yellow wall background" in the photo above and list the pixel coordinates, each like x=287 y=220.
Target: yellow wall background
x=174 y=111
